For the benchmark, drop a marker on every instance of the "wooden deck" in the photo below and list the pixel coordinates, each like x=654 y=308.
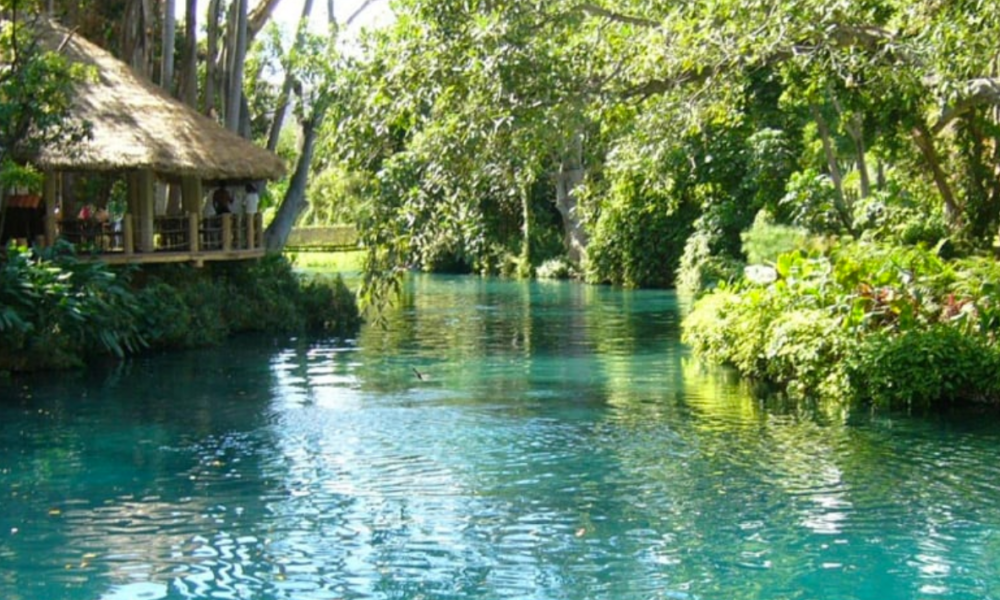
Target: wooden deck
x=172 y=239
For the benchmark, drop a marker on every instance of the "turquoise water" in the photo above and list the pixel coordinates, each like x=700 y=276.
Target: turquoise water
x=561 y=445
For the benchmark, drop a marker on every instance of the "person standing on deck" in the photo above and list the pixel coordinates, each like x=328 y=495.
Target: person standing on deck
x=251 y=200
x=221 y=201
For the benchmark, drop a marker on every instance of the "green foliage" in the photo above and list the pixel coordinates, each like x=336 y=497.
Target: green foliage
x=15 y=176
x=56 y=310
x=924 y=368
x=717 y=331
x=810 y=201
x=701 y=269
x=329 y=305
x=899 y=327
x=805 y=351
x=36 y=92
x=334 y=196
x=638 y=243
x=766 y=240
x=191 y=306
x=556 y=268
x=841 y=119
x=182 y=308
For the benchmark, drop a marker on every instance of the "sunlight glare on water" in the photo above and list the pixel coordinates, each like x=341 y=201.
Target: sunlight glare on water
x=497 y=440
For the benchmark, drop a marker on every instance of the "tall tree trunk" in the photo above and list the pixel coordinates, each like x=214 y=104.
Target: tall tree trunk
x=840 y=200
x=281 y=106
x=213 y=58
x=234 y=94
x=294 y=202
x=856 y=131
x=167 y=50
x=854 y=126
x=135 y=36
x=189 y=67
x=925 y=143
x=569 y=176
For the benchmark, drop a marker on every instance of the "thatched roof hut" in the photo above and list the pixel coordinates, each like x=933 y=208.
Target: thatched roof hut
x=138 y=126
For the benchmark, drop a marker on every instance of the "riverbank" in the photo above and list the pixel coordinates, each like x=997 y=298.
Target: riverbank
x=897 y=327
x=58 y=312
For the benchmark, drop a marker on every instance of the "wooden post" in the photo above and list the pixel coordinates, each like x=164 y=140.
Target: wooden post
x=227 y=232
x=194 y=222
x=191 y=194
x=49 y=197
x=251 y=234
x=147 y=213
x=128 y=234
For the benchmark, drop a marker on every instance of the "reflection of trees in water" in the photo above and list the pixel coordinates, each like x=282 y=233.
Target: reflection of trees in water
x=468 y=333
x=149 y=470
x=800 y=499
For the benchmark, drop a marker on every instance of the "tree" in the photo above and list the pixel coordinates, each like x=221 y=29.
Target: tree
x=312 y=72
x=36 y=93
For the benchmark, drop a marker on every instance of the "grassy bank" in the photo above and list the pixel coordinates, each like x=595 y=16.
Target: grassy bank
x=339 y=262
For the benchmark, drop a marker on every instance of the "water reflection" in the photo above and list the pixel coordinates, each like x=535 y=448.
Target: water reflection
x=562 y=445
x=116 y=483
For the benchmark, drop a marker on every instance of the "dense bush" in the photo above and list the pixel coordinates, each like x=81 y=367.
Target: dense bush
x=556 y=268
x=925 y=367
x=639 y=238
x=265 y=295
x=56 y=311
x=700 y=270
x=766 y=240
x=899 y=327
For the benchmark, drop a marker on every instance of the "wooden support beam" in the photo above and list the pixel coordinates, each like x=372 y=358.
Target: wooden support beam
x=146 y=214
x=251 y=234
x=227 y=232
x=128 y=231
x=194 y=224
x=191 y=194
x=49 y=190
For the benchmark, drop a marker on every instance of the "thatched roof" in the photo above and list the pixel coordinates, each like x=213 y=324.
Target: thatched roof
x=137 y=125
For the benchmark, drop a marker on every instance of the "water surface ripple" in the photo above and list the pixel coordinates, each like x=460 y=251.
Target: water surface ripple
x=558 y=444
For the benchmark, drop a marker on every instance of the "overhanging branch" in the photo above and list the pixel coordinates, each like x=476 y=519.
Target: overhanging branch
x=836 y=36
x=978 y=92
x=598 y=11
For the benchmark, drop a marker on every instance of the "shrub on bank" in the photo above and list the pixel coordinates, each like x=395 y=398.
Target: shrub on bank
x=925 y=367
x=220 y=299
x=898 y=327
x=56 y=311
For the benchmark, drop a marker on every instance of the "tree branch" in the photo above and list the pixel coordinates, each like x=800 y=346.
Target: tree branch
x=258 y=17
x=979 y=92
x=357 y=13
x=871 y=39
x=597 y=11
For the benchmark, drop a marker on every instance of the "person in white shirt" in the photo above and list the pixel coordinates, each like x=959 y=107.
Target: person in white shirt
x=251 y=199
